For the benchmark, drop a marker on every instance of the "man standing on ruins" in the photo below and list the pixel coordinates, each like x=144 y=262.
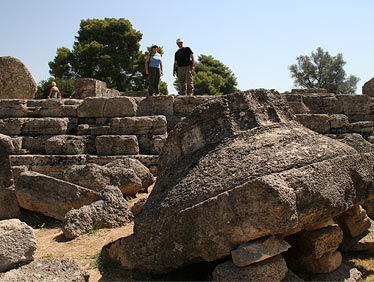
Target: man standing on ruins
x=184 y=64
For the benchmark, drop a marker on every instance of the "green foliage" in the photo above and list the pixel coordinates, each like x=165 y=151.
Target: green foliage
x=107 y=50
x=212 y=77
x=66 y=87
x=321 y=70
x=163 y=88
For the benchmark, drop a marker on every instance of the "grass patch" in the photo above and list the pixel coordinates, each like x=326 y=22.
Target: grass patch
x=47 y=256
x=100 y=262
x=38 y=221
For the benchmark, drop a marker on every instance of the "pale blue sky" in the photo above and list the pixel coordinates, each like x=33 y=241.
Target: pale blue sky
x=257 y=40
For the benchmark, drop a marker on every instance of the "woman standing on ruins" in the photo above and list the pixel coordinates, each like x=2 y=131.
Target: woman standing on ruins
x=153 y=68
x=55 y=92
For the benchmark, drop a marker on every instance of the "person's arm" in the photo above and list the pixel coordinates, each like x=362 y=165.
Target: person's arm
x=192 y=62
x=161 y=68
x=146 y=64
x=50 y=92
x=59 y=94
x=175 y=67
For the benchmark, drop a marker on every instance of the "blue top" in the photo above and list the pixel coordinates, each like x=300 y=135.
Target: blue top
x=154 y=60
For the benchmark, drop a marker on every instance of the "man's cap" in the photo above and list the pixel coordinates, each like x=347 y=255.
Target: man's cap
x=179 y=40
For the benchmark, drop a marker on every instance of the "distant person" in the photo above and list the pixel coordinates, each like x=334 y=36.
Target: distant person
x=184 y=64
x=154 y=69
x=54 y=92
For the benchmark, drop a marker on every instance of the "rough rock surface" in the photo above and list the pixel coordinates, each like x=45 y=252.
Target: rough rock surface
x=17 y=243
x=50 y=196
x=110 y=211
x=128 y=175
x=368 y=88
x=47 y=270
x=16 y=82
x=237 y=169
x=8 y=202
x=258 y=250
x=343 y=273
x=272 y=269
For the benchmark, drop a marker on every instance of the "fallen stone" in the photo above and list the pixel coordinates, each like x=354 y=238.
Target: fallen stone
x=258 y=250
x=343 y=273
x=17 y=243
x=109 y=212
x=272 y=269
x=9 y=207
x=356 y=141
x=236 y=169
x=363 y=242
x=319 y=242
x=16 y=82
x=354 y=224
x=50 y=196
x=47 y=270
x=327 y=263
x=368 y=88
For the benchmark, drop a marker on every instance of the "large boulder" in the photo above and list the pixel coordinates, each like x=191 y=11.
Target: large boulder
x=16 y=82
x=17 y=243
x=237 y=169
x=368 y=88
x=50 y=196
x=110 y=211
x=47 y=270
x=129 y=175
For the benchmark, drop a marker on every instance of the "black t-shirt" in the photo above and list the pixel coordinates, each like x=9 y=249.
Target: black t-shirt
x=182 y=56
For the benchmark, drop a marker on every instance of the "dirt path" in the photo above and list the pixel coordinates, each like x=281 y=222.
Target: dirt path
x=52 y=243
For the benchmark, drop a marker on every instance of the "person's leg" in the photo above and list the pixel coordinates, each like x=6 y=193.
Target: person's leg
x=157 y=81
x=151 y=81
x=182 y=80
x=189 y=82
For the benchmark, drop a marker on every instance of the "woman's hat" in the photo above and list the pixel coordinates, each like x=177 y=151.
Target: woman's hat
x=154 y=45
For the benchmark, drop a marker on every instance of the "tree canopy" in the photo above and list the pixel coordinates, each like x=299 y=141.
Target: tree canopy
x=66 y=87
x=212 y=77
x=106 y=50
x=321 y=70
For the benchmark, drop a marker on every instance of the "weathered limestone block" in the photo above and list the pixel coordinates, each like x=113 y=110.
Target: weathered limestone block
x=156 y=105
x=151 y=144
x=320 y=224
x=49 y=269
x=17 y=243
x=16 y=82
x=344 y=273
x=327 y=263
x=362 y=242
x=89 y=87
x=110 y=211
x=92 y=107
x=323 y=103
x=361 y=127
x=117 y=145
x=317 y=243
x=45 y=126
x=368 y=88
x=355 y=104
x=183 y=105
x=137 y=208
x=66 y=145
x=272 y=269
x=356 y=141
x=96 y=177
x=53 y=108
x=295 y=101
x=35 y=144
x=317 y=122
x=338 y=121
x=258 y=250
x=12 y=108
x=120 y=107
x=87 y=129
x=155 y=125
x=9 y=207
x=50 y=196
x=354 y=222
x=309 y=91
x=11 y=126
x=135 y=93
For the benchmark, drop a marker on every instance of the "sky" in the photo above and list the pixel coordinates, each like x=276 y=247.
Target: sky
x=256 y=40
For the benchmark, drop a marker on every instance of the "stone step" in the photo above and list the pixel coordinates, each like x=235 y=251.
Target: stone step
x=55 y=165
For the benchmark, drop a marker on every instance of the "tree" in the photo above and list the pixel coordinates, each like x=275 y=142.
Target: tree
x=321 y=70
x=106 y=50
x=66 y=87
x=212 y=77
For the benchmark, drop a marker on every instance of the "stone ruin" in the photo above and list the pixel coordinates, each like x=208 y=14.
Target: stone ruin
x=242 y=183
